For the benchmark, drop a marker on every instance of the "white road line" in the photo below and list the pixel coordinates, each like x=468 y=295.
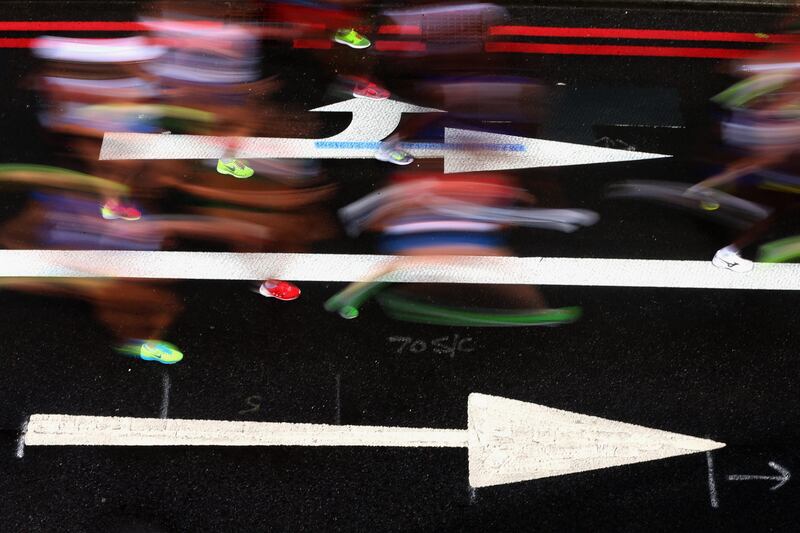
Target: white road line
x=507 y=440
x=348 y=268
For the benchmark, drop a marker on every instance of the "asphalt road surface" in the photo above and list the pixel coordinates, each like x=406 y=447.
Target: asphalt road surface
x=716 y=364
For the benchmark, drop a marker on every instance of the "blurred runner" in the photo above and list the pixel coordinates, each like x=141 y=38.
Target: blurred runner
x=427 y=216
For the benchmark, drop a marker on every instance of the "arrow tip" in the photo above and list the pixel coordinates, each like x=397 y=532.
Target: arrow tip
x=512 y=441
x=784 y=473
x=483 y=151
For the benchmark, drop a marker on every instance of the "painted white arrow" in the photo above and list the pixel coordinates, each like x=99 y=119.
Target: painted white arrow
x=462 y=150
x=782 y=478
x=507 y=440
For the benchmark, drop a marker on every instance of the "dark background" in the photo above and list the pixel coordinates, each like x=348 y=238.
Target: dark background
x=709 y=363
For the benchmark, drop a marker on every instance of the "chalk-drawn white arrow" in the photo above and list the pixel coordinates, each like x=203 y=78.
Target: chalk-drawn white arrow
x=462 y=150
x=507 y=440
x=782 y=478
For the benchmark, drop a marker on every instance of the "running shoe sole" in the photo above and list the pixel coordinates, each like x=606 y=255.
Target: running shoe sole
x=351 y=45
x=117 y=217
x=263 y=292
x=388 y=159
x=224 y=170
x=148 y=358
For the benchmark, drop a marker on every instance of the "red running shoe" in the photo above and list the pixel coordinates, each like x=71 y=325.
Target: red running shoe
x=366 y=89
x=282 y=290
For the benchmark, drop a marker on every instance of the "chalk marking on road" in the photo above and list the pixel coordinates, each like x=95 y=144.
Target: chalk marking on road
x=20 y=452
x=782 y=478
x=338 y=398
x=573 y=271
x=165 y=386
x=712 y=483
x=507 y=441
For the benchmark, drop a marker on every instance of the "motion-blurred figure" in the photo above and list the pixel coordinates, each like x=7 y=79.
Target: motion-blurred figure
x=428 y=216
x=760 y=133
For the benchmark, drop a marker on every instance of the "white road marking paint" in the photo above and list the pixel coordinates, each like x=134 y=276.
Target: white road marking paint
x=373 y=120
x=20 y=453
x=338 y=398
x=537 y=153
x=507 y=440
x=165 y=386
x=712 y=483
x=782 y=478
x=348 y=268
x=462 y=150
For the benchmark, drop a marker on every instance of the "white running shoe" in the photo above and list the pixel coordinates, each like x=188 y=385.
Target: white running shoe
x=730 y=259
x=394 y=155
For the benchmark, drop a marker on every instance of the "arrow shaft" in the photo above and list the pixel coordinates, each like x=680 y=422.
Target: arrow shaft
x=70 y=430
x=151 y=146
x=744 y=477
x=126 y=146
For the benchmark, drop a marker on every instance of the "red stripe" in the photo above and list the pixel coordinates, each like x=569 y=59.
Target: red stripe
x=319 y=44
x=332 y=18
x=612 y=50
x=617 y=33
x=79 y=25
x=400 y=46
x=400 y=30
x=99 y=25
x=528 y=31
x=16 y=43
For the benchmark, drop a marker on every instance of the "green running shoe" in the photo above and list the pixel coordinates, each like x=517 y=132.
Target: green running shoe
x=163 y=352
x=349 y=312
x=350 y=37
x=235 y=168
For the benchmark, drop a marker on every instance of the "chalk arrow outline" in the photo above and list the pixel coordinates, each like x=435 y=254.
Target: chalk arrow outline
x=782 y=478
x=462 y=150
x=507 y=441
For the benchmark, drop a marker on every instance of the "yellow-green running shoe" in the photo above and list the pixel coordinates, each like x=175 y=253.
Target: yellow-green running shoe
x=350 y=37
x=163 y=352
x=235 y=168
